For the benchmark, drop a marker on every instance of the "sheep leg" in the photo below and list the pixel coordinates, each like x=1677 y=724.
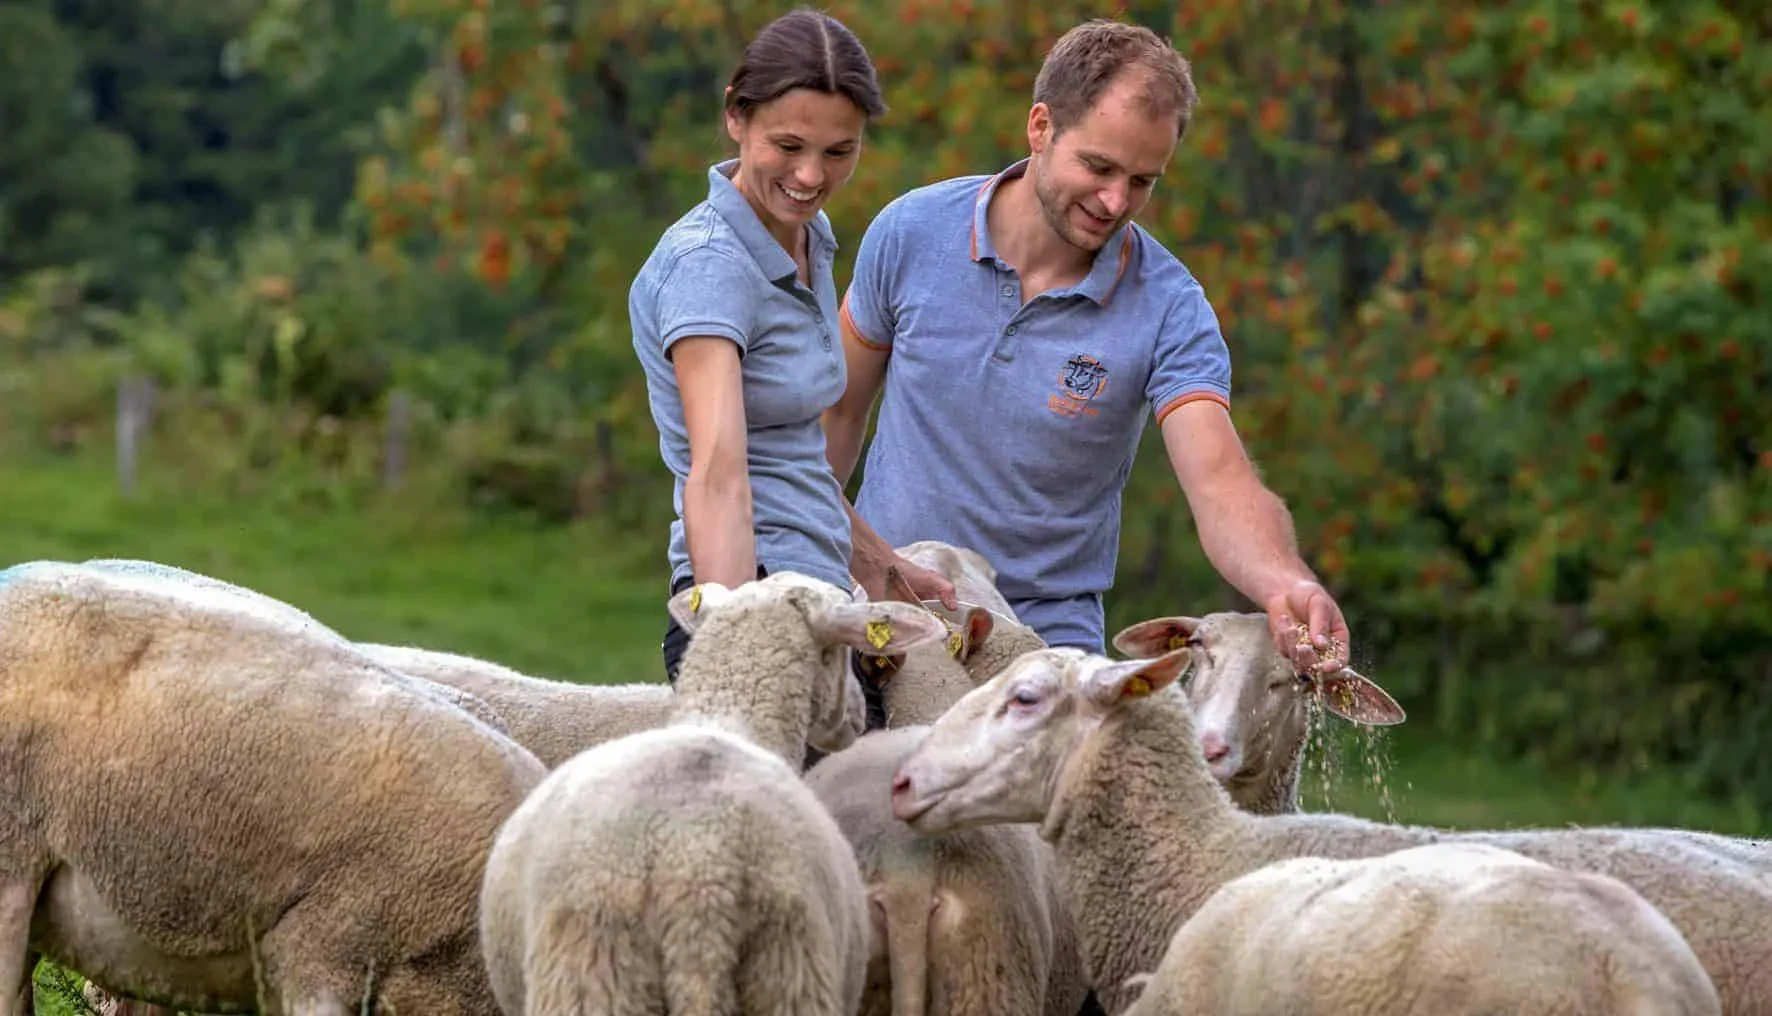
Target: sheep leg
x=18 y=899
x=307 y=971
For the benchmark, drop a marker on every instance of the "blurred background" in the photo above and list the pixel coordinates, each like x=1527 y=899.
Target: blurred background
x=328 y=298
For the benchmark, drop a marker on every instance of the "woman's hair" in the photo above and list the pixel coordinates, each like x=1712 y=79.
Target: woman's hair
x=804 y=49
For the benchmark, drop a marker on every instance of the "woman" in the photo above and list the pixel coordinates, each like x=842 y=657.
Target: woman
x=735 y=322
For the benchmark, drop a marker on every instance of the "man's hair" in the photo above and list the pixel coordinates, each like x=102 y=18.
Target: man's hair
x=1090 y=57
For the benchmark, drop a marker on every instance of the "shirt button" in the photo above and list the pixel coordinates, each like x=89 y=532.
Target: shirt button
x=1008 y=290
x=1009 y=331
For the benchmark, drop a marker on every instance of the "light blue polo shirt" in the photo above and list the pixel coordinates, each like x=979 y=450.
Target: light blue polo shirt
x=717 y=271
x=1011 y=429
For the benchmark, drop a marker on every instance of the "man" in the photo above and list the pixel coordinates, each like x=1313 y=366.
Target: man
x=1022 y=327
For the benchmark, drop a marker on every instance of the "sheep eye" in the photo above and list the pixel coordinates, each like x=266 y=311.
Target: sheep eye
x=1025 y=697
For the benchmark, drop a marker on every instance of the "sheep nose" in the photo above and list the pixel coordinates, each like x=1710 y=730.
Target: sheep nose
x=1212 y=743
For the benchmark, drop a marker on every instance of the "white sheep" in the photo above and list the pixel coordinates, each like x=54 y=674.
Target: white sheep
x=1462 y=929
x=253 y=601
x=1251 y=707
x=919 y=684
x=688 y=868
x=967 y=922
x=973 y=576
x=270 y=780
x=555 y=720
x=1104 y=756
x=901 y=868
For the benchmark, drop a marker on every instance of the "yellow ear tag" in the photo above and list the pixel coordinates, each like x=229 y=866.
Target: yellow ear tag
x=695 y=600
x=955 y=643
x=1177 y=641
x=879 y=633
x=1136 y=687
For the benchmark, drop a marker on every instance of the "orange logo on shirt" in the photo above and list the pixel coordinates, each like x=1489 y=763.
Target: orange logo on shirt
x=1082 y=379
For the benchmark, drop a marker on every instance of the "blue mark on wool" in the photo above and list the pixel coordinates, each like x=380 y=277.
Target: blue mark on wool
x=19 y=571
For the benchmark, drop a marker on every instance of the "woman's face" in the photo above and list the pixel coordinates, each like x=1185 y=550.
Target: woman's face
x=793 y=152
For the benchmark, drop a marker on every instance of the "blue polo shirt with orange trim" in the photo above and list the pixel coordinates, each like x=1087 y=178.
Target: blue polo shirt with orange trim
x=1011 y=427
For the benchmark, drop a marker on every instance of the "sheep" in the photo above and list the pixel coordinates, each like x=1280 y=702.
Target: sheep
x=973 y=577
x=901 y=870
x=1103 y=755
x=253 y=600
x=688 y=868
x=1251 y=707
x=918 y=684
x=555 y=720
x=1457 y=928
x=272 y=780
x=974 y=581
x=967 y=922
x=1251 y=710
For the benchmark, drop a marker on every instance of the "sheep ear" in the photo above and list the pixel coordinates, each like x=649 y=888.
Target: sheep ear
x=885 y=628
x=1148 y=640
x=1358 y=700
x=1111 y=682
x=978 y=627
x=691 y=605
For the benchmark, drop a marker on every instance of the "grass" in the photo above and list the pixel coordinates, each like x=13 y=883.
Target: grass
x=586 y=603
x=573 y=602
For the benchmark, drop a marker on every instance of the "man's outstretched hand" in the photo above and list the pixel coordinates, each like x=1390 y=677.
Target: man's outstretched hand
x=1308 y=629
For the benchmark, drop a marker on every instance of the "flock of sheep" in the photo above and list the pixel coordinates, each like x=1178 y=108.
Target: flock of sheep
x=220 y=804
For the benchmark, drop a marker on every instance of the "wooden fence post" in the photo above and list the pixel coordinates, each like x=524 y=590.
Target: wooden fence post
x=394 y=438
x=135 y=406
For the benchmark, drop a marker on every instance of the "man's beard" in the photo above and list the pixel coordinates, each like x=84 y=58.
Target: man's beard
x=1055 y=215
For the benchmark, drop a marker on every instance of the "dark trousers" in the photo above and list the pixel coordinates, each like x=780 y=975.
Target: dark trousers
x=676 y=640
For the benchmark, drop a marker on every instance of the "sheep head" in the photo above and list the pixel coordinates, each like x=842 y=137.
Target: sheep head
x=1249 y=702
x=835 y=625
x=997 y=754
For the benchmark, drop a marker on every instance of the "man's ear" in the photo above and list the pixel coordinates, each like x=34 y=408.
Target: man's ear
x=1039 y=127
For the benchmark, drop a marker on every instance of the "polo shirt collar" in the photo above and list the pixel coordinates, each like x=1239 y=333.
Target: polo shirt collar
x=1110 y=260
x=776 y=262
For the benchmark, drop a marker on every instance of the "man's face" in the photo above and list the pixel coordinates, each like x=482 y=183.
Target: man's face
x=1095 y=176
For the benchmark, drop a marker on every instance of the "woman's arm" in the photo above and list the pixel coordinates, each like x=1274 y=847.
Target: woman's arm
x=717 y=492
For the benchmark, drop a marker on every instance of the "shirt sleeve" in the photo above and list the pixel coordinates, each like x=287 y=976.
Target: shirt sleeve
x=868 y=306
x=1192 y=360
x=707 y=292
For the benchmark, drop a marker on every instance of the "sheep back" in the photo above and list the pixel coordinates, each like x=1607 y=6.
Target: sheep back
x=683 y=869
x=555 y=720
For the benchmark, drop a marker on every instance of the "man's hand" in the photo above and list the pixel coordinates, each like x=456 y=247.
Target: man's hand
x=1308 y=629
x=918 y=583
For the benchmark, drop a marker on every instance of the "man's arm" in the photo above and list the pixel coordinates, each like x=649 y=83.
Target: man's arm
x=1247 y=533
x=845 y=427
x=846 y=423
